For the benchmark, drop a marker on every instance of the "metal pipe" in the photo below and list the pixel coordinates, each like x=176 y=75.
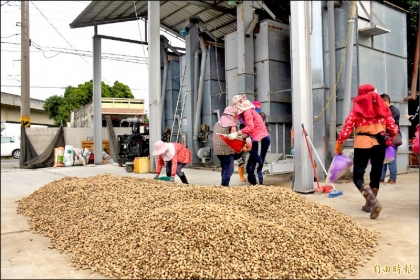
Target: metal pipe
x=155 y=133
x=302 y=91
x=251 y=27
x=164 y=82
x=197 y=118
x=217 y=112
x=349 y=60
x=97 y=100
x=195 y=82
x=332 y=66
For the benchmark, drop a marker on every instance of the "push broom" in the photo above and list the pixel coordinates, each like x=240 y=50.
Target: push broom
x=334 y=192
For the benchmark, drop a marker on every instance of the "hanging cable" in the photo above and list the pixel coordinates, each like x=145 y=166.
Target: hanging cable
x=62 y=36
x=338 y=76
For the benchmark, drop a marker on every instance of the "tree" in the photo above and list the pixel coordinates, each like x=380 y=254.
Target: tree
x=59 y=108
x=412 y=24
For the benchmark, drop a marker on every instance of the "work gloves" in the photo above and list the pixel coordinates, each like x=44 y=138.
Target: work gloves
x=249 y=141
x=156 y=177
x=233 y=135
x=338 y=147
x=172 y=179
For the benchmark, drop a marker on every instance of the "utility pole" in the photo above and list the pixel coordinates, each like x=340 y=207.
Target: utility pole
x=25 y=119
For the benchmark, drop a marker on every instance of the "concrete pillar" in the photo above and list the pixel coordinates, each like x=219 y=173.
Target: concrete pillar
x=97 y=99
x=155 y=119
x=25 y=119
x=302 y=93
x=245 y=51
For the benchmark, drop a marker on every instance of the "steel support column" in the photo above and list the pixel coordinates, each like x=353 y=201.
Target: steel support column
x=155 y=118
x=302 y=93
x=97 y=98
x=245 y=51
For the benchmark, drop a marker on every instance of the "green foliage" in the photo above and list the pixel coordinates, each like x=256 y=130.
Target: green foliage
x=59 y=108
x=146 y=118
x=412 y=24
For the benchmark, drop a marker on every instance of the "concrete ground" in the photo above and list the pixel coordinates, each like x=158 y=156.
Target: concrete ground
x=25 y=255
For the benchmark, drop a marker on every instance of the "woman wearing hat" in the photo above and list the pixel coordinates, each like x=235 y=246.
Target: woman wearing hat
x=256 y=133
x=224 y=153
x=174 y=156
x=368 y=117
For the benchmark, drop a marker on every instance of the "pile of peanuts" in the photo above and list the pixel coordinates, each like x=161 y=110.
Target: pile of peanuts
x=127 y=227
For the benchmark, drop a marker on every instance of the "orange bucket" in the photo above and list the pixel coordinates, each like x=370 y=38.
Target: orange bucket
x=236 y=144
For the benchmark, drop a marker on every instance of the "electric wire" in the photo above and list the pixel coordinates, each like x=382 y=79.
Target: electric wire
x=56 y=30
x=4 y=37
x=57 y=50
x=338 y=75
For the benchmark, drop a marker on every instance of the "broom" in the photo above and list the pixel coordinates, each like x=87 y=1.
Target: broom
x=334 y=192
x=319 y=189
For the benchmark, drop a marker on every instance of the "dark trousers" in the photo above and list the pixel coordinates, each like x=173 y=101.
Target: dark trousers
x=376 y=155
x=227 y=163
x=256 y=160
x=179 y=166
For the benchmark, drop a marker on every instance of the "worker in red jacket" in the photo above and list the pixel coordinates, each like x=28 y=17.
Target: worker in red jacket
x=369 y=117
x=174 y=156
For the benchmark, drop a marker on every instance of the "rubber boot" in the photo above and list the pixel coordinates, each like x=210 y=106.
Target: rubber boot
x=369 y=195
x=367 y=207
x=241 y=171
x=168 y=174
x=183 y=179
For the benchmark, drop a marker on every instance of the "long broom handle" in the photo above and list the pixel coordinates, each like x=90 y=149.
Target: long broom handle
x=313 y=164
x=319 y=159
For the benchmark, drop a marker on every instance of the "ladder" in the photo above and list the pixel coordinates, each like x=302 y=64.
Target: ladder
x=179 y=111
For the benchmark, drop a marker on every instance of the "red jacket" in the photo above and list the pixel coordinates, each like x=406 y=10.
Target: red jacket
x=182 y=154
x=371 y=126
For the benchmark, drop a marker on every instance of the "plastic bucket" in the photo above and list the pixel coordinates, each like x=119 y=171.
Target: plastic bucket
x=339 y=166
x=141 y=165
x=236 y=144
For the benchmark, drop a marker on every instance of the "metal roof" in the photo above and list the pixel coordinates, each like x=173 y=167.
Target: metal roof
x=219 y=16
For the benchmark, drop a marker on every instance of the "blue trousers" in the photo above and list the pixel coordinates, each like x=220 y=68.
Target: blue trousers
x=256 y=160
x=227 y=163
x=392 y=169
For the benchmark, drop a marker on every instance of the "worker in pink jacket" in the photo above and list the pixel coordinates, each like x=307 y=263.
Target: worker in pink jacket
x=255 y=133
x=174 y=156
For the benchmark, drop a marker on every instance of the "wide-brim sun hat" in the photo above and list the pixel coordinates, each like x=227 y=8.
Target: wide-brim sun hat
x=227 y=117
x=160 y=148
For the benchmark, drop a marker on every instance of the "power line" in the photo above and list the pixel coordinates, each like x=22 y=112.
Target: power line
x=108 y=56
x=56 y=30
x=61 y=35
x=52 y=87
x=10 y=35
